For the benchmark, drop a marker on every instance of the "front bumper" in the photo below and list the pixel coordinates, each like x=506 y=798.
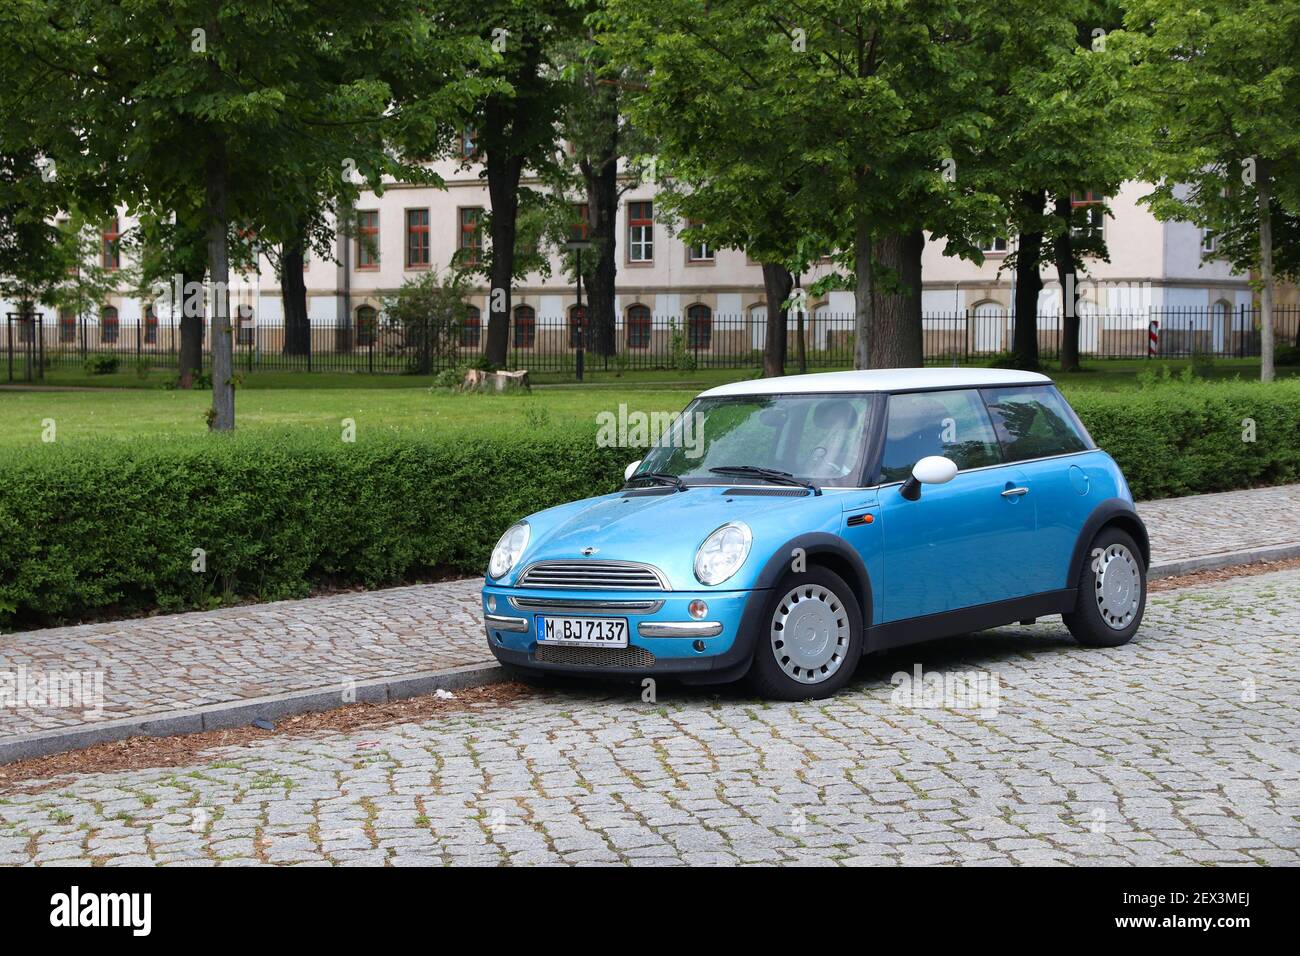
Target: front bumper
x=663 y=638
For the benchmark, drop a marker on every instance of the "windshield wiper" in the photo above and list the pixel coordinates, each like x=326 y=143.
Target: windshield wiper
x=768 y=474
x=660 y=477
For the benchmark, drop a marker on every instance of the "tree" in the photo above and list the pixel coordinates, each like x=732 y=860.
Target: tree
x=1220 y=80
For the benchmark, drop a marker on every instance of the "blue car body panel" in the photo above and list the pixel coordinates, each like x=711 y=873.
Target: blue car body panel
x=991 y=546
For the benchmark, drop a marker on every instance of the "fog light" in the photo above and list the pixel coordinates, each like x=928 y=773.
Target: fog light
x=698 y=609
x=492 y=603
x=699 y=647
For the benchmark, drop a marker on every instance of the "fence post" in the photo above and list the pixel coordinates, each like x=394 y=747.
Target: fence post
x=38 y=320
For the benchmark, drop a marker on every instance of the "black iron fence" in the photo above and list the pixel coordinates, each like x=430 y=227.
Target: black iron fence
x=33 y=345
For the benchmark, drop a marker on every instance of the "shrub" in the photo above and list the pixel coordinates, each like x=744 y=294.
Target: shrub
x=101 y=364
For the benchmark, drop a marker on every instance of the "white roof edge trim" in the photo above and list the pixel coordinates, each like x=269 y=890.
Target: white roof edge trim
x=879 y=380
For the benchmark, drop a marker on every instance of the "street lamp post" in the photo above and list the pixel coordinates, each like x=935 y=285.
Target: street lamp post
x=576 y=246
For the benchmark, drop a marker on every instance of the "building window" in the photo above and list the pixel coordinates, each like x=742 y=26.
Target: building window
x=471 y=239
x=471 y=330
x=1093 y=217
x=417 y=238
x=108 y=325
x=1209 y=242
x=150 y=326
x=698 y=251
x=638 y=327
x=368 y=239
x=997 y=245
x=577 y=324
x=525 y=326
x=367 y=320
x=469 y=144
x=640 y=232
x=580 y=227
x=111 y=253
x=67 y=325
x=699 y=326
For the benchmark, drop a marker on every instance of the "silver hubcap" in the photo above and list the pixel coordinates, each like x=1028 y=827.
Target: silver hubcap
x=1119 y=586
x=810 y=633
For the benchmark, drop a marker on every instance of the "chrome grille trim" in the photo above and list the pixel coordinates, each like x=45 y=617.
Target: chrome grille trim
x=593 y=575
x=580 y=606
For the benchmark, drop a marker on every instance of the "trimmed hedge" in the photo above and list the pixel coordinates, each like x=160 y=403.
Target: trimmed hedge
x=111 y=527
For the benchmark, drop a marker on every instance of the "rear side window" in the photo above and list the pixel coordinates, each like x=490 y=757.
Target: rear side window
x=1034 y=422
x=953 y=424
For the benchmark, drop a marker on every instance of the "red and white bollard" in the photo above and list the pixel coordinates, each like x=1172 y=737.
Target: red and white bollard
x=1153 y=338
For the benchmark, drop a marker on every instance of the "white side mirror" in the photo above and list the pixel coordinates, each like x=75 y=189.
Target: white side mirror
x=630 y=469
x=931 y=470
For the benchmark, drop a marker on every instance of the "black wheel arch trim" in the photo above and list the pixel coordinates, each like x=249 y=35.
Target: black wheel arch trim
x=1114 y=511
x=815 y=544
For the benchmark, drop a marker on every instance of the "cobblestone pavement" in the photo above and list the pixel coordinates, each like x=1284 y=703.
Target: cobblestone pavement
x=180 y=661
x=1180 y=748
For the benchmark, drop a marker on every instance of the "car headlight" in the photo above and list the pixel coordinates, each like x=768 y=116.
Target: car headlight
x=508 y=549
x=722 y=553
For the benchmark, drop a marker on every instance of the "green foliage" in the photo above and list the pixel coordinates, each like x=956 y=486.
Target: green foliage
x=100 y=364
x=430 y=310
x=111 y=527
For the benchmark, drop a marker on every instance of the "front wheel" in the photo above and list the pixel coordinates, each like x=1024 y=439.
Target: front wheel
x=1112 y=592
x=811 y=640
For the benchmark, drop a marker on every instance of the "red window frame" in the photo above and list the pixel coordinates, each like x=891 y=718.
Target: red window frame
x=368 y=240
x=525 y=336
x=699 y=326
x=150 y=326
x=108 y=325
x=109 y=254
x=641 y=215
x=67 y=325
x=471 y=330
x=638 y=327
x=367 y=323
x=417 y=238
x=470 y=239
x=580 y=228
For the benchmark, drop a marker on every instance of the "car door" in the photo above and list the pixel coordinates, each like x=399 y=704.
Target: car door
x=960 y=544
x=1039 y=433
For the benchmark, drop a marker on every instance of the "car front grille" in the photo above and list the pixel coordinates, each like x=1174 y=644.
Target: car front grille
x=593 y=575
x=578 y=656
x=563 y=605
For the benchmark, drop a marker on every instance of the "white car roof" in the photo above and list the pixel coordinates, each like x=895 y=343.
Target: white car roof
x=879 y=380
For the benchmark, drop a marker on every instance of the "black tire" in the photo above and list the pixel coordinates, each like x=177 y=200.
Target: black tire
x=1094 y=622
x=830 y=596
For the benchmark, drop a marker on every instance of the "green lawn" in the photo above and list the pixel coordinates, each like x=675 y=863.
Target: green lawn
x=405 y=404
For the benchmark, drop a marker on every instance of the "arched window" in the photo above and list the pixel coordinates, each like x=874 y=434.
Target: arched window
x=577 y=323
x=471 y=330
x=150 y=325
x=525 y=326
x=367 y=319
x=67 y=325
x=699 y=326
x=638 y=327
x=108 y=325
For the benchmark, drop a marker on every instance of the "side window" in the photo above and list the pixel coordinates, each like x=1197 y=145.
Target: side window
x=1034 y=422
x=953 y=424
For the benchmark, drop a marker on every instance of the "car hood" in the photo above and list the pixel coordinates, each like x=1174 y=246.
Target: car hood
x=665 y=529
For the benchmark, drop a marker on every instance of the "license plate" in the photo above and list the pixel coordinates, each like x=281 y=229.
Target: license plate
x=595 y=631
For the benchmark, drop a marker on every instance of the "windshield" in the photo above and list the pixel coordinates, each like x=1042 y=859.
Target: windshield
x=818 y=438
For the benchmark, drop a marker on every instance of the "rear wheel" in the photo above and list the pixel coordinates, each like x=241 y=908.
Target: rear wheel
x=811 y=640
x=1112 y=592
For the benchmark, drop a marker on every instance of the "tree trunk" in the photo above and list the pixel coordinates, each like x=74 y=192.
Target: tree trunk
x=777 y=283
x=863 y=299
x=1263 y=172
x=1029 y=283
x=1069 y=288
x=503 y=172
x=602 y=202
x=192 y=318
x=897 y=342
x=293 y=294
x=223 y=386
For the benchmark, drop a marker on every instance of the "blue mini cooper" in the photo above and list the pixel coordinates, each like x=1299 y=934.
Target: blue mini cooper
x=784 y=527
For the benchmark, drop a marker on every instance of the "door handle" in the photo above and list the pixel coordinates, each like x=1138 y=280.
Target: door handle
x=1015 y=492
